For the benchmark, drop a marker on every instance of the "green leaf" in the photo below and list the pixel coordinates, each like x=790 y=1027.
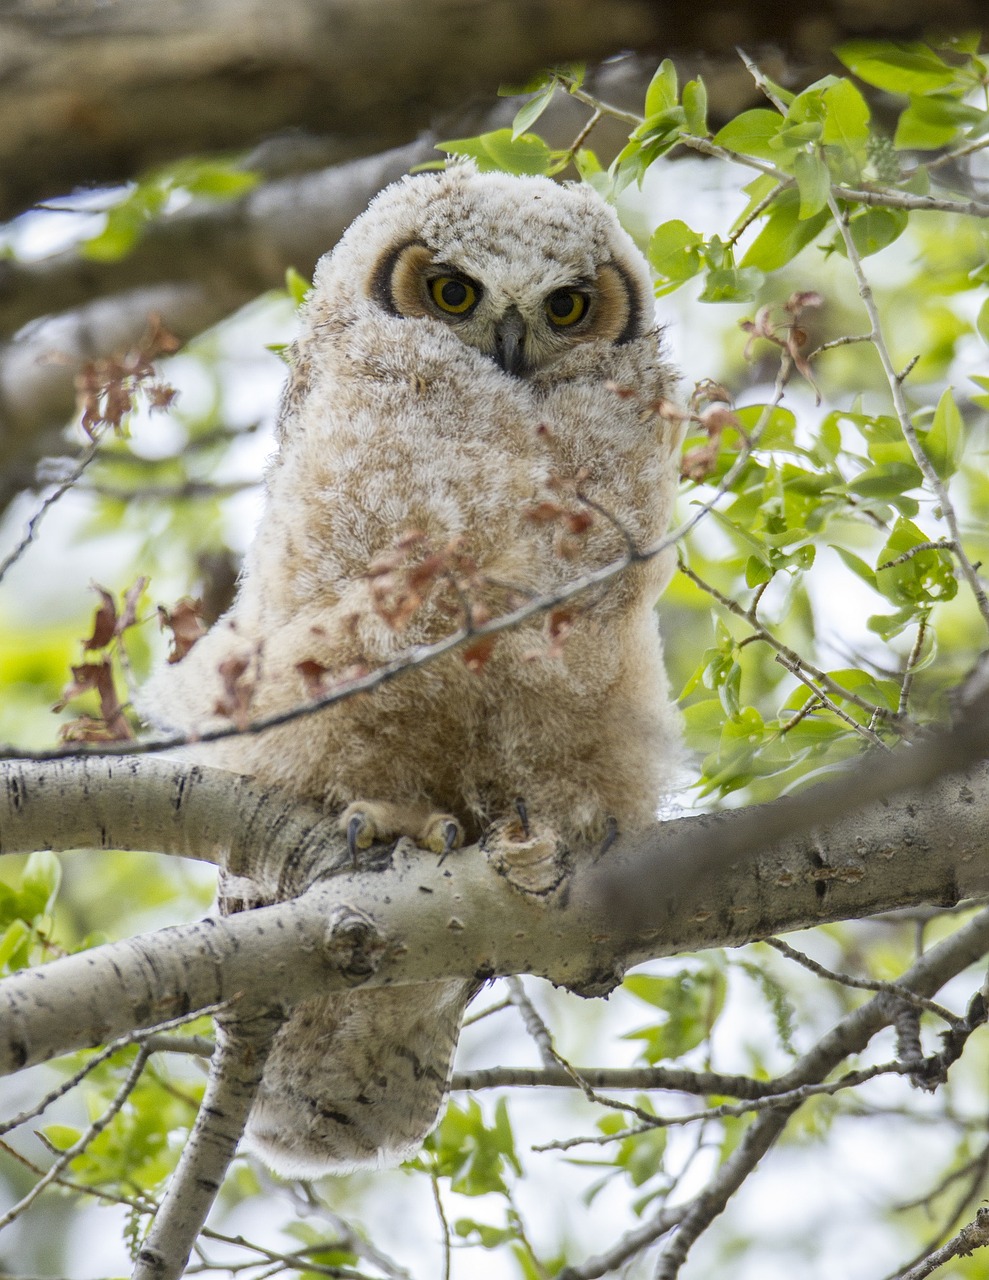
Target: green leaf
x=529 y=113
x=662 y=91
x=218 y=181
x=674 y=251
x=783 y=235
x=40 y=880
x=500 y=150
x=943 y=442
x=753 y=133
x=982 y=322
x=846 y=121
x=757 y=572
x=296 y=286
x=874 y=229
x=932 y=122
x=813 y=183
x=695 y=106
x=857 y=565
x=887 y=481
x=917 y=580
x=15 y=945
x=472 y=1154
x=535 y=82
x=61 y=1136
x=691 y=999
x=897 y=68
x=732 y=284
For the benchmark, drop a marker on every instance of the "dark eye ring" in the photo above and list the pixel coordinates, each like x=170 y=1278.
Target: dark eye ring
x=566 y=306
x=453 y=294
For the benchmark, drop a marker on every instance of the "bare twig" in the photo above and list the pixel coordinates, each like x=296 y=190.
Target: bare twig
x=82 y=1142
x=30 y=533
x=971 y=1237
x=863 y=984
x=792 y=659
x=862 y=730
x=151 y=1041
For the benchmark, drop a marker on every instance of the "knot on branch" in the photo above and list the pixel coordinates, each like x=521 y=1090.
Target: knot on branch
x=353 y=944
x=930 y=1072
x=533 y=859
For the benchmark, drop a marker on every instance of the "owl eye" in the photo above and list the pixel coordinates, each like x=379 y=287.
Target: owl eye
x=452 y=294
x=566 y=306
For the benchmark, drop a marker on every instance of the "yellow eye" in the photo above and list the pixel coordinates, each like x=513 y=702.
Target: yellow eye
x=566 y=306
x=452 y=294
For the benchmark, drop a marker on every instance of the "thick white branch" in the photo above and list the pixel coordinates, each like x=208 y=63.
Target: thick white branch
x=429 y=921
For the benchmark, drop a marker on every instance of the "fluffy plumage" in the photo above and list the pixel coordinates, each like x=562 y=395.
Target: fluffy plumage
x=456 y=377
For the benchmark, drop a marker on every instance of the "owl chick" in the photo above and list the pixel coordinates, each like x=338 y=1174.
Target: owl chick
x=470 y=422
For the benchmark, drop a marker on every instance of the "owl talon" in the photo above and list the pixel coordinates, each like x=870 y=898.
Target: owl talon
x=441 y=834
x=452 y=838
x=360 y=834
x=523 y=812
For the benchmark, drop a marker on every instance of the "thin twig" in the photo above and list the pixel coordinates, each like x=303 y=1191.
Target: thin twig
x=151 y=1039
x=754 y=213
x=422 y=655
x=82 y=1142
x=790 y=655
x=444 y=1225
x=486 y=1013
x=787 y=1099
x=910 y=668
x=863 y=984
x=862 y=730
x=971 y=1237
x=87 y=456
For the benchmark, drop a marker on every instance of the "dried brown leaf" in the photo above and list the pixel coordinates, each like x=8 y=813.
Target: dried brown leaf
x=185 y=622
x=104 y=620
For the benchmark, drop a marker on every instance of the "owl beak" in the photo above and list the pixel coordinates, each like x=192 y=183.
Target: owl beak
x=509 y=350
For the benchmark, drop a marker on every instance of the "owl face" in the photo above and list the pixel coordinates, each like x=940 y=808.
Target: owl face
x=521 y=269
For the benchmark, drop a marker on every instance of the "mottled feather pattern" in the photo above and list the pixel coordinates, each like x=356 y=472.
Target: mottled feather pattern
x=438 y=424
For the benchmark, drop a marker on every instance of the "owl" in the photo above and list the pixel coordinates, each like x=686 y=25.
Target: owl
x=472 y=420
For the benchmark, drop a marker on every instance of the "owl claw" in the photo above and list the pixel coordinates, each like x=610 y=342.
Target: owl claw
x=441 y=834
x=523 y=812
x=452 y=837
x=360 y=835
x=367 y=821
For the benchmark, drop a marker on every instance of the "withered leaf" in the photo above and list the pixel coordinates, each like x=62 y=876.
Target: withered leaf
x=186 y=625
x=104 y=620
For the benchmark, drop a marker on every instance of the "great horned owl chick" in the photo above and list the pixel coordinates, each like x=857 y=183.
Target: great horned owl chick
x=478 y=370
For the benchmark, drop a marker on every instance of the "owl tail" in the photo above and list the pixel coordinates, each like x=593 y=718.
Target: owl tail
x=357 y=1080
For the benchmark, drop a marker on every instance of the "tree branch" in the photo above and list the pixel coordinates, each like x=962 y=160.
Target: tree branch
x=713 y=880
x=114 y=90
x=235 y=1074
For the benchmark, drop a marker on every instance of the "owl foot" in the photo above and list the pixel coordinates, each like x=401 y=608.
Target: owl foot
x=367 y=821
x=530 y=856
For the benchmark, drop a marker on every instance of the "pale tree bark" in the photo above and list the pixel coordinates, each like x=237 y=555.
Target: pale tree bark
x=421 y=919
x=461 y=918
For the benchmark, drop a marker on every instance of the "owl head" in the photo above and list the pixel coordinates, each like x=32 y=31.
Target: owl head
x=520 y=268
